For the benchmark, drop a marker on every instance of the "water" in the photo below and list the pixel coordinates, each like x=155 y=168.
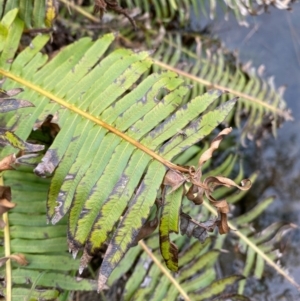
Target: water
x=273 y=39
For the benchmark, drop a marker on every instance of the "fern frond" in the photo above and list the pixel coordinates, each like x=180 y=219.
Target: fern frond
x=196 y=261
x=116 y=131
x=166 y=11
x=204 y=69
x=43 y=246
x=148 y=279
x=35 y=13
x=242 y=8
x=205 y=65
x=196 y=276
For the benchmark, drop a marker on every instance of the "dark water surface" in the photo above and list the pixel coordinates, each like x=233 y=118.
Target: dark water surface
x=273 y=39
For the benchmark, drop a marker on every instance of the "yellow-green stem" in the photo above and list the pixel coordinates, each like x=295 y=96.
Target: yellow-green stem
x=92 y=118
x=7 y=253
x=207 y=83
x=202 y=81
x=165 y=271
x=81 y=11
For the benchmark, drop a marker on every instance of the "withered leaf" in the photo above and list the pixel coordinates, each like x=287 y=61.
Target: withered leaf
x=19 y=258
x=7 y=94
x=5 y=202
x=223 y=225
x=215 y=181
x=147 y=229
x=7 y=162
x=192 y=228
x=222 y=205
x=5 y=193
x=10 y=104
x=200 y=187
x=174 y=179
x=48 y=164
x=195 y=194
x=213 y=146
x=186 y=227
x=7 y=105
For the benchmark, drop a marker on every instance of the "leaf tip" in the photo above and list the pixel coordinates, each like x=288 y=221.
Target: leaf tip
x=102 y=283
x=84 y=260
x=74 y=253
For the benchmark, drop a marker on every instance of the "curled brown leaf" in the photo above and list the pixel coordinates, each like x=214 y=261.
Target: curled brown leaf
x=205 y=187
x=19 y=258
x=215 y=181
x=195 y=194
x=7 y=162
x=174 y=179
x=5 y=202
x=213 y=146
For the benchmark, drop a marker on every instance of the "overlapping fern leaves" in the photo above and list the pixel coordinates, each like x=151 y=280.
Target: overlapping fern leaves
x=259 y=100
x=35 y=14
x=38 y=14
x=167 y=10
x=198 y=274
x=102 y=176
x=204 y=63
x=207 y=66
x=49 y=270
x=111 y=154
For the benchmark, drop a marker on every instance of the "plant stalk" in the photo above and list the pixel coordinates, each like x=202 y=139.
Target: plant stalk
x=81 y=11
x=165 y=271
x=223 y=88
x=94 y=119
x=8 y=279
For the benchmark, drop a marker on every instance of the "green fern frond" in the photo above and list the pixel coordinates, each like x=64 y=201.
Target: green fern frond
x=204 y=69
x=205 y=65
x=116 y=132
x=44 y=246
x=196 y=275
x=35 y=13
x=166 y=11
x=242 y=8
x=196 y=260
